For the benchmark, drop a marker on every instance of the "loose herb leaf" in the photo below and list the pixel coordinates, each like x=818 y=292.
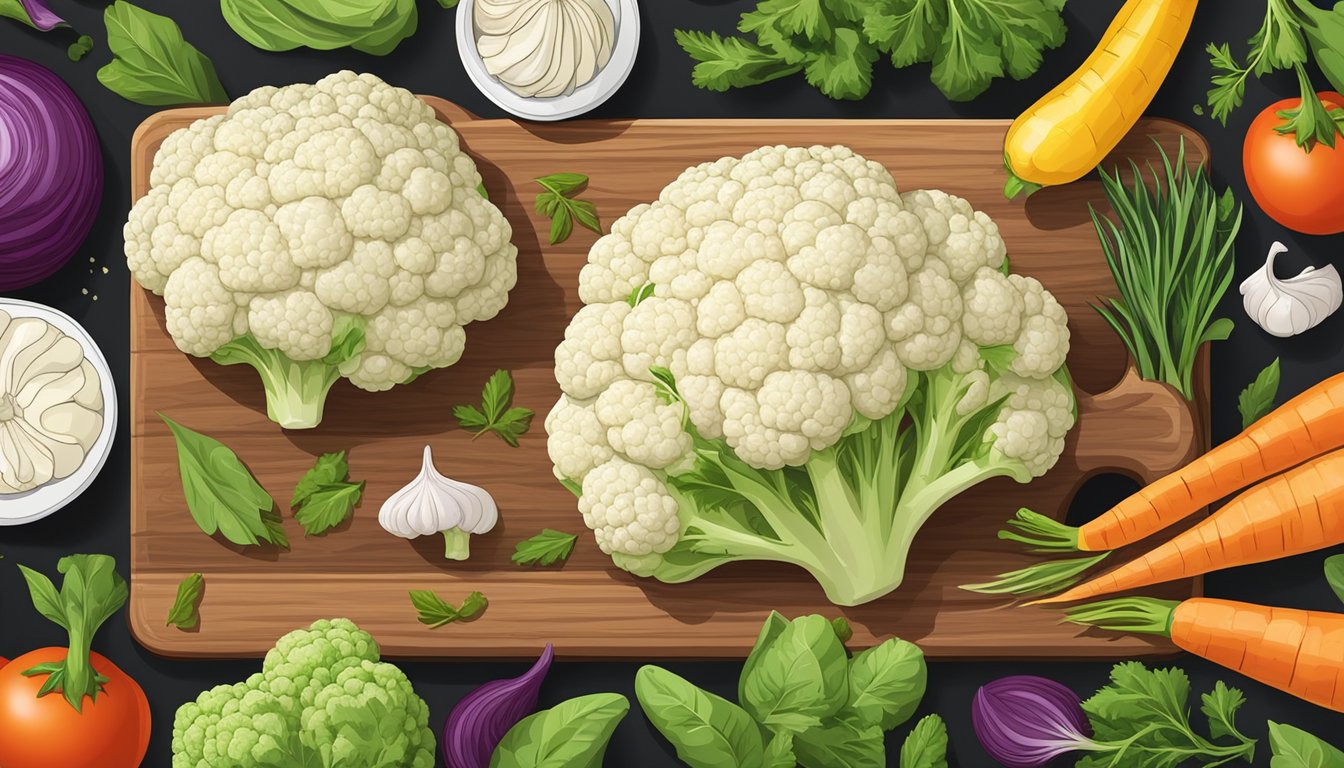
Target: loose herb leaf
x=1146 y=712
x=494 y=414
x=1257 y=399
x=1334 y=575
x=324 y=496
x=151 y=62
x=573 y=734
x=435 y=611
x=329 y=468
x=1220 y=706
x=221 y=494
x=708 y=731
x=546 y=548
x=558 y=204
x=80 y=48
x=1295 y=748
x=185 y=613
x=34 y=13
x=926 y=746
x=730 y=62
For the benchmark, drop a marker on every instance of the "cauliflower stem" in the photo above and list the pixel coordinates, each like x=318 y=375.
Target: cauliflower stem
x=296 y=390
x=849 y=515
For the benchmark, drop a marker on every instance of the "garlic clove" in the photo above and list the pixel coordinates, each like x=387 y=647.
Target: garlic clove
x=433 y=504
x=1289 y=307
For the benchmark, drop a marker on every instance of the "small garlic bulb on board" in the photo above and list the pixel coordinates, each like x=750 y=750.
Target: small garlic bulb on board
x=432 y=504
x=544 y=48
x=1286 y=308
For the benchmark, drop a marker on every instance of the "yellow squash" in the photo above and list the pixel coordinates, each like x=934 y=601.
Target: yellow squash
x=1068 y=132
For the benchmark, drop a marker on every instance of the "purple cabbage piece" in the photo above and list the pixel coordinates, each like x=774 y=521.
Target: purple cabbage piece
x=51 y=173
x=39 y=15
x=1025 y=721
x=480 y=720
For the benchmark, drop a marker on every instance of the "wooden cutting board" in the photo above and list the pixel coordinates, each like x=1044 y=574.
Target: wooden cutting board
x=589 y=608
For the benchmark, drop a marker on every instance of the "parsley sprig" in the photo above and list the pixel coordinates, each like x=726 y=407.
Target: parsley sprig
x=1291 y=29
x=546 y=548
x=495 y=414
x=434 y=611
x=558 y=204
x=325 y=496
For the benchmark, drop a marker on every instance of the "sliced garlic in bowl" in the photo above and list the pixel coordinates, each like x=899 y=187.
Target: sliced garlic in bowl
x=548 y=59
x=58 y=411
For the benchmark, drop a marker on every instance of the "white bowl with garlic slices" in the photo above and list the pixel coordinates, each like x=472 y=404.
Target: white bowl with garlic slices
x=58 y=411
x=548 y=60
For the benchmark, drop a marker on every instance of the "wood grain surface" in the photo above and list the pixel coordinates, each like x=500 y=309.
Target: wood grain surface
x=589 y=608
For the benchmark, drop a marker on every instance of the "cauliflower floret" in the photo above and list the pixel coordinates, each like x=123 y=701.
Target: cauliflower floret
x=754 y=350
x=927 y=328
x=993 y=307
x=344 y=198
x=642 y=427
x=577 y=440
x=961 y=237
x=1044 y=341
x=628 y=509
x=1036 y=416
x=657 y=333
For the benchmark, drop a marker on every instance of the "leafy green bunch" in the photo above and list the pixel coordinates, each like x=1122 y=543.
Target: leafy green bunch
x=1291 y=29
x=803 y=701
x=835 y=43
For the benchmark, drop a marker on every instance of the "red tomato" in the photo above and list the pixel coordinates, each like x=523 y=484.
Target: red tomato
x=1303 y=191
x=112 y=732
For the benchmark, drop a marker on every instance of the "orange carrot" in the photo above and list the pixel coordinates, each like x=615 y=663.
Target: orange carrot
x=1299 y=511
x=1296 y=651
x=1297 y=431
x=1304 y=427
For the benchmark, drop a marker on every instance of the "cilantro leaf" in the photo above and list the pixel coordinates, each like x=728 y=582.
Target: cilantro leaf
x=845 y=69
x=985 y=39
x=330 y=468
x=1220 y=706
x=909 y=30
x=730 y=62
x=1257 y=399
x=1229 y=82
x=324 y=496
x=558 y=204
x=434 y=611
x=185 y=613
x=546 y=548
x=495 y=415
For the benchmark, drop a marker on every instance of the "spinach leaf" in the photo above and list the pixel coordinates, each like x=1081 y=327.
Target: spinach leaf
x=151 y=62
x=370 y=26
x=926 y=746
x=708 y=731
x=842 y=743
x=886 y=683
x=1295 y=748
x=774 y=624
x=800 y=678
x=221 y=494
x=573 y=734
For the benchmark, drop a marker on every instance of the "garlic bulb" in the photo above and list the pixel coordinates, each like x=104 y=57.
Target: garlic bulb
x=1288 y=307
x=544 y=48
x=51 y=404
x=434 y=504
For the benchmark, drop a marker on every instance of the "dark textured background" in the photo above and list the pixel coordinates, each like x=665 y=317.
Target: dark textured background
x=660 y=87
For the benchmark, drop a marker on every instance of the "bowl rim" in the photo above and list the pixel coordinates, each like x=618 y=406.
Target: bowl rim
x=49 y=498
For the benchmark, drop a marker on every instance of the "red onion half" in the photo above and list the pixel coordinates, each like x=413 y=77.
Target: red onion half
x=1025 y=721
x=51 y=173
x=480 y=720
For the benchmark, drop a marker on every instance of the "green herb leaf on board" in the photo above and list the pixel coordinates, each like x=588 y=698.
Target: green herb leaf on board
x=185 y=613
x=152 y=64
x=546 y=548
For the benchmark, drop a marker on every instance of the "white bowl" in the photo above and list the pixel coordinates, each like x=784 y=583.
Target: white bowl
x=30 y=506
x=584 y=99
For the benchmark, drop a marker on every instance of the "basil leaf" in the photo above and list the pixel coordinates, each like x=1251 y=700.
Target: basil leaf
x=573 y=734
x=843 y=742
x=708 y=731
x=151 y=62
x=800 y=677
x=185 y=613
x=1257 y=399
x=221 y=494
x=370 y=26
x=926 y=746
x=886 y=683
x=1334 y=575
x=1295 y=748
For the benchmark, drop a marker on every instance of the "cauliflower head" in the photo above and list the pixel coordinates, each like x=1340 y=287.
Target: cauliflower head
x=320 y=231
x=322 y=698
x=785 y=358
